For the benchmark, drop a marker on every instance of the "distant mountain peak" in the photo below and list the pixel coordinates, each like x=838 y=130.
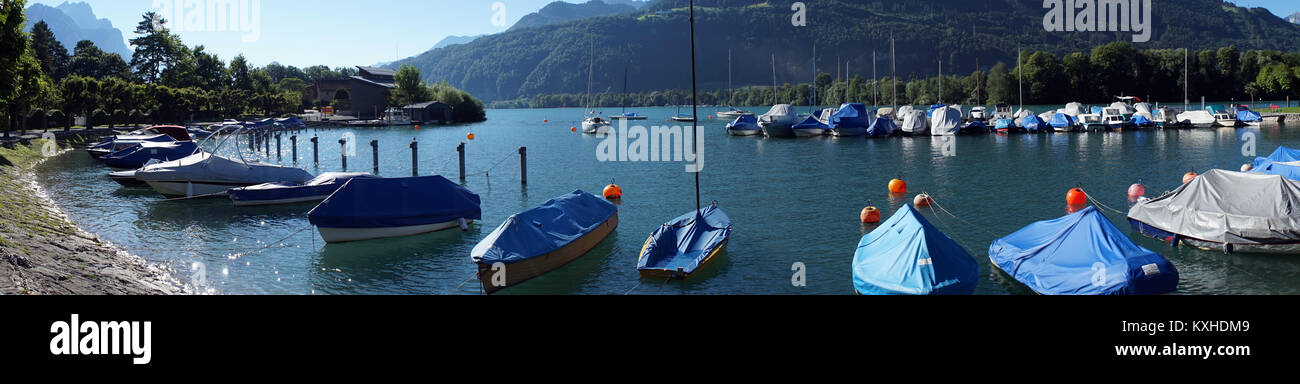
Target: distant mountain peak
x=83 y=15
x=561 y=12
x=74 y=22
x=1294 y=18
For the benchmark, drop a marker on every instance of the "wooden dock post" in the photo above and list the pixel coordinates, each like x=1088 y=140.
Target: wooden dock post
x=523 y=165
x=343 y=152
x=415 y=158
x=315 y=150
x=374 y=154
x=277 y=146
x=293 y=141
x=461 y=149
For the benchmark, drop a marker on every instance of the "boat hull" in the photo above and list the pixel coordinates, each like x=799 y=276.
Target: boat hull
x=744 y=132
x=848 y=132
x=664 y=274
x=1169 y=238
x=778 y=130
x=809 y=132
x=521 y=271
x=595 y=129
x=292 y=200
x=174 y=189
x=127 y=179
x=346 y=235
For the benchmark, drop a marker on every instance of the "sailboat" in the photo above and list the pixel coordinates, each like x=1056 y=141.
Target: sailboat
x=681 y=117
x=593 y=124
x=625 y=115
x=731 y=112
x=684 y=246
x=780 y=120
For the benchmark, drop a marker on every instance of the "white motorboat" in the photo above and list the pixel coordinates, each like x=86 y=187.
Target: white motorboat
x=207 y=174
x=1113 y=117
x=1197 y=119
x=596 y=126
x=979 y=113
x=1224 y=119
x=1091 y=122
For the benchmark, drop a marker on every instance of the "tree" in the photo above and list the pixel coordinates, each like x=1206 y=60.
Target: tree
x=1002 y=89
x=1277 y=79
x=1114 y=66
x=240 y=74
x=79 y=93
x=155 y=49
x=49 y=51
x=410 y=87
x=209 y=70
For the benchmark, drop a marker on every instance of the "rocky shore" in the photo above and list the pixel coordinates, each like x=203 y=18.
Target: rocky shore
x=43 y=253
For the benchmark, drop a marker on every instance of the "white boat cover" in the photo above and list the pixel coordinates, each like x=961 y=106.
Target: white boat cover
x=1023 y=113
x=914 y=122
x=779 y=112
x=1196 y=117
x=945 y=121
x=1074 y=109
x=206 y=168
x=1144 y=110
x=1228 y=207
x=1123 y=108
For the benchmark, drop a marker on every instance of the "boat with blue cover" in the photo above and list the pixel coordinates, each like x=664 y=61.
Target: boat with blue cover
x=1082 y=254
x=154 y=134
x=1248 y=117
x=907 y=255
x=1063 y=123
x=1034 y=124
x=376 y=208
x=814 y=125
x=852 y=119
x=137 y=156
x=686 y=245
x=745 y=125
x=316 y=189
x=882 y=126
x=533 y=242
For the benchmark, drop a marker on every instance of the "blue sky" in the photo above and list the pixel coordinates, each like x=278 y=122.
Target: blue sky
x=351 y=32
x=332 y=32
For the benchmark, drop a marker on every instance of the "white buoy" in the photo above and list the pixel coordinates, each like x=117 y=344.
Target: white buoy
x=1247 y=167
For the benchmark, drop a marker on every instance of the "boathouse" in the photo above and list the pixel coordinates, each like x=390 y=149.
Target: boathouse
x=433 y=112
x=364 y=96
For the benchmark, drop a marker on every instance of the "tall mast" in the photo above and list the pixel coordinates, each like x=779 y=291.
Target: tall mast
x=940 y=81
x=875 y=82
x=695 y=113
x=591 y=73
x=1187 y=100
x=730 y=88
x=774 y=97
x=1021 y=70
x=812 y=99
x=893 y=72
x=624 y=90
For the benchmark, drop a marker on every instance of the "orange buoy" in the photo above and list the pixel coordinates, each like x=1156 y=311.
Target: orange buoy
x=1076 y=197
x=870 y=215
x=546 y=121
x=613 y=192
x=470 y=136
x=1247 y=167
x=922 y=200
x=573 y=129
x=417 y=127
x=1187 y=178
x=1137 y=190
x=897 y=186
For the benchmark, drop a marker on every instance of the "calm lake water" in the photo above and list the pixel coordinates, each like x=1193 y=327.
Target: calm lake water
x=792 y=201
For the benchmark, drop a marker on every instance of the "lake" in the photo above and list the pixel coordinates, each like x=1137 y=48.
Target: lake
x=791 y=200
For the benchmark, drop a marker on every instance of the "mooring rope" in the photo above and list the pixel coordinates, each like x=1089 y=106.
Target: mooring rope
x=638 y=285
x=462 y=284
x=935 y=203
x=1099 y=203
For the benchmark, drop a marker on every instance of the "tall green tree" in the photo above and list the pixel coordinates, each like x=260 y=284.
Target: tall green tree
x=240 y=74
x=80 y=93
x=50 y=52
x=155 y=48
x=411 y=88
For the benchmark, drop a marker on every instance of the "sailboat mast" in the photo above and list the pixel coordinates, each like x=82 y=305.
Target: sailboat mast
x=1021 y=70
x=812 y=99
x=730 y=87
x=774 y=97
x=695 y=112
x=893 y=72
x=591 y=73
x=1187 y=100
x=875 y=82
x=940 y=81
x=624 y=90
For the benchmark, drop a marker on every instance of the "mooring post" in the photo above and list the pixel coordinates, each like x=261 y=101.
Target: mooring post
x=315 y=150
x=343 y=152
x=374 y=153
x=277 y=146
x=415 y=158
x=523 y=165
x=252 y=137
x=293 y=141
x=266 y=138
x=461 y=149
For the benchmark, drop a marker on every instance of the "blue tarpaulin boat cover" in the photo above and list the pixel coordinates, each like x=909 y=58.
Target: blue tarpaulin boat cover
x=291 y=122
x=1082 y=254
x=1004 y=124
x=1280 y=155
x=1033 y=123
x=1062 y=120
x=907 y=255
x=1287 y=170
x=810 y=123
x=549 y=227
x=882 y=126
x=684 y=243
x=396 y=202
x=933 y=108
x=1247 y=116
x=851 y=115
x=1141 y=121
x=745 y=123
x=140 y=154
x=1099 y=111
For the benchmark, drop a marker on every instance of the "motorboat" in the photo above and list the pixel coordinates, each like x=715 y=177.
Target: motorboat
x=596 y=126
x=1092 y=122
x=979 y=113
x=852 y=119
x=155 y=134
x=1197 y=119
x=1114 y=118
x=378 y=208
x=316 y=189
x=144 y=153
x=816 y=125
x=779 y=121
x=915 y=122
x=1062 y=122
x=945 y=121
x=1225 y=210
x=745 y=125
x=208 y=174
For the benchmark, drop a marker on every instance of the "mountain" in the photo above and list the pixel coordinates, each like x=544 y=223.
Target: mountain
x=652 y=43
x=560 y=12
x=74 y=22
x=1294 y=18
x=455 y=40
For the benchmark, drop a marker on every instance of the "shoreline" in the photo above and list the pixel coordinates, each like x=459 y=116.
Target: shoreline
x=42 y=252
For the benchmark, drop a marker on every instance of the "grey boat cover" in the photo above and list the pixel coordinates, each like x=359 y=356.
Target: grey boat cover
x=1123 y=108
x=204 y=167
x=945 y=121
x=780 y=113
x=1023 y=113
x=914 y=122
x=1144 y=110
x=1228 y=207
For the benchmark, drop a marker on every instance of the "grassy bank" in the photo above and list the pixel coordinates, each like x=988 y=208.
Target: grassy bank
x=42 y=252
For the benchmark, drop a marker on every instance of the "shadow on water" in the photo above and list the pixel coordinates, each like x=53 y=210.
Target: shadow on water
x=384 y=265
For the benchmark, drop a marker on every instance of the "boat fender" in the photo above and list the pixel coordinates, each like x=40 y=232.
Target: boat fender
x=922 y=200
x=464 y=227
x=1247 y=167
x=870 y=215
x=1137 y=190
x=1174 y=240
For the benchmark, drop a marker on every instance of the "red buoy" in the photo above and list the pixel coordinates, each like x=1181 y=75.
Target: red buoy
x=1187 y=178
x=1137 y=190
x=1076 y=197
x=870 y=215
